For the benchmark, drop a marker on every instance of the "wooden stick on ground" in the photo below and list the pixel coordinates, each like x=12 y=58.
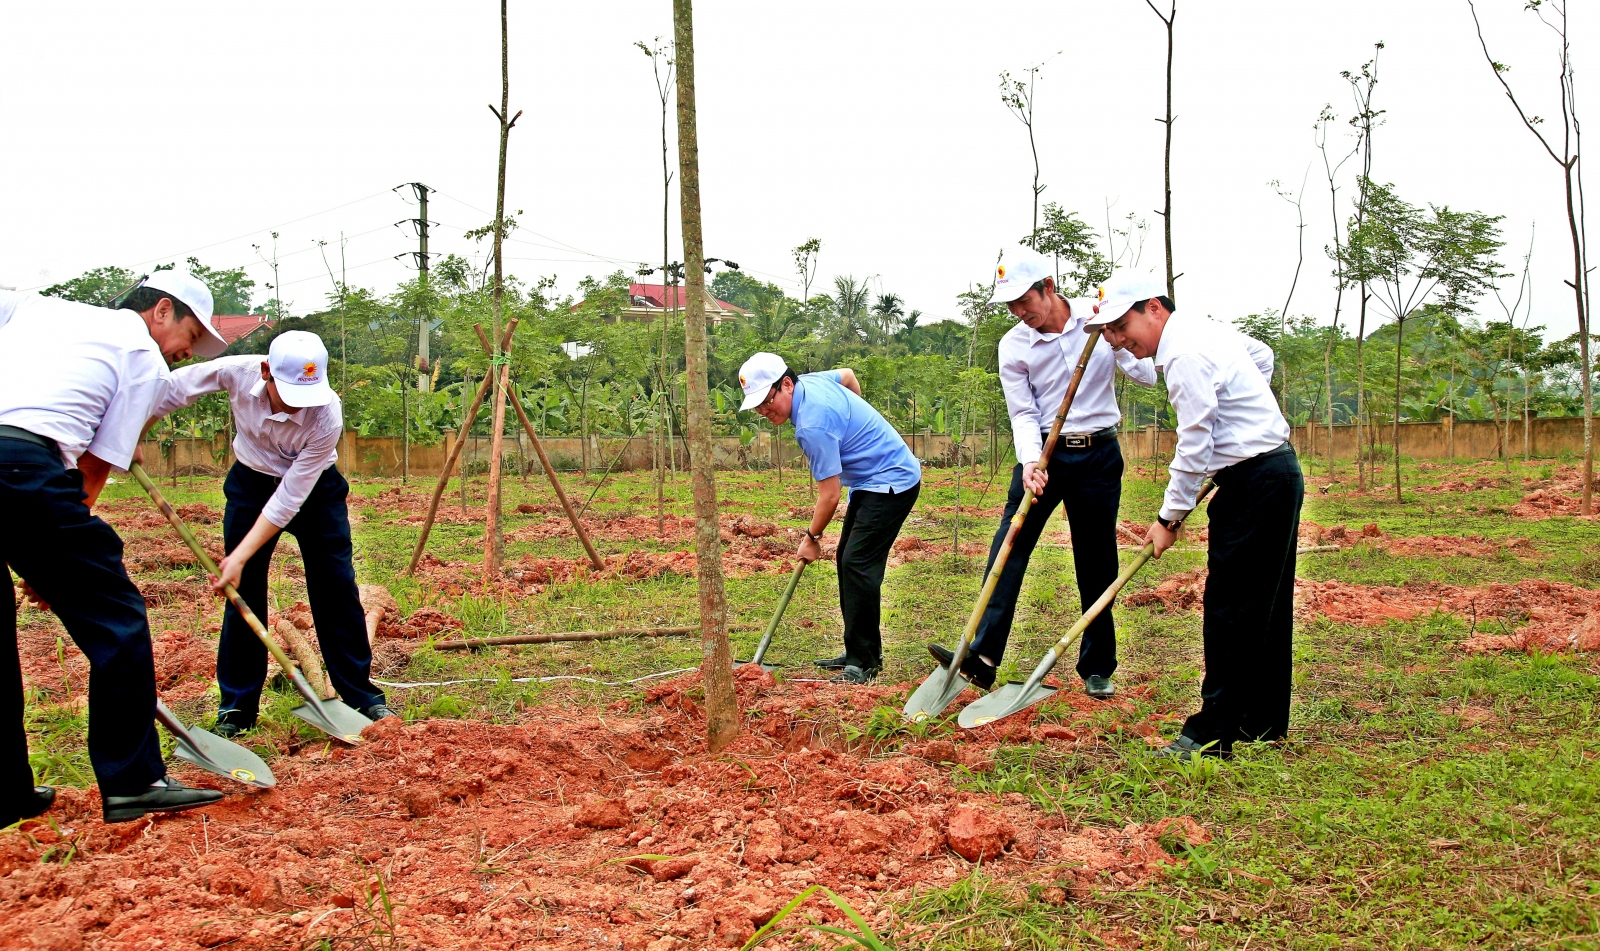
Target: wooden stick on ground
x=473 y=643
x=455 y=454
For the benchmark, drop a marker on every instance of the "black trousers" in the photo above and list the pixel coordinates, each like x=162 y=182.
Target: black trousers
x=1088 y=482
x=871 y=524
x=1249 y=602
x=322 y=527
x=74 y=561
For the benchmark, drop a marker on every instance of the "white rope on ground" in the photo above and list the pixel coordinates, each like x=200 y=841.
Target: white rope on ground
x=395 y=685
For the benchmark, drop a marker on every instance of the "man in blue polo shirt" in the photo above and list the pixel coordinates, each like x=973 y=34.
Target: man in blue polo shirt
x=847 y=443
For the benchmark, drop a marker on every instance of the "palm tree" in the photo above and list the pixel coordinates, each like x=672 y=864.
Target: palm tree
x=850 y=308
x=890 y=311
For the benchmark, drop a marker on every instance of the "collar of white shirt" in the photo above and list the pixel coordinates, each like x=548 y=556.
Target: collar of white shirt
x=259 y=391
x=1171 y=340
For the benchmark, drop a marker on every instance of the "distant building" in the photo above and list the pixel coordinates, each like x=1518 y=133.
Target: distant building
x=647 y=301
x=236 y=327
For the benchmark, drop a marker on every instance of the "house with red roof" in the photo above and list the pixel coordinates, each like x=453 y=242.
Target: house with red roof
x=647 y=301
x=236 y=327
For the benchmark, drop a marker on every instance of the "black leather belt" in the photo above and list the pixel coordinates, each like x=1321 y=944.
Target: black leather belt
x=12 y=432
x=1084 y=440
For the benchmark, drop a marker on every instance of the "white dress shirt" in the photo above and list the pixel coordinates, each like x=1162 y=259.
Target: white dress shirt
x=84 y=376
x=1218 y=381
x=1035 y=369
x=294 y=447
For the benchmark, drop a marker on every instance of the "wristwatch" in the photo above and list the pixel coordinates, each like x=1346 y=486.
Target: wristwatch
x=815 y=538
x=1170 y=524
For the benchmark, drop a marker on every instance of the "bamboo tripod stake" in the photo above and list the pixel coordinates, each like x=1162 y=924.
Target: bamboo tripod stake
x=461 y=438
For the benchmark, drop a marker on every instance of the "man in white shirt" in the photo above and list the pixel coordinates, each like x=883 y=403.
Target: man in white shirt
x=1230 y=429
x=76 y=385
x=288 y=421
x=1037 y=359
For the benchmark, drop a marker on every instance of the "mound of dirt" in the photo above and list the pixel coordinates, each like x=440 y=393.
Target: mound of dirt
x=1441 y=546
x=185 y=664
x=1180 y=592
x=424 y=622
x=908 y=548
x=161 y=593
x=580 y=830
x=161 y=553
x=532 y=575
x=1541 y=615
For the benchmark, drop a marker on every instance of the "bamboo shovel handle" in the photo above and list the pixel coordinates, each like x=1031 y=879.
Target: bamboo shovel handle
x=205 y=562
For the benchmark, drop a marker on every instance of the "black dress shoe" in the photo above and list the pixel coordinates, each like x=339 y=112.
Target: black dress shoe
x=833 y=663
x=1098 y=687
x=1185 y=749
x=852 y=674
x=34 y=803
x=378 y=711
x=978 y=673
x=230 y=724
x=173 y=797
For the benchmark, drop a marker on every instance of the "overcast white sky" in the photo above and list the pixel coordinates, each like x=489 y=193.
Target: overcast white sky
x=138 y=133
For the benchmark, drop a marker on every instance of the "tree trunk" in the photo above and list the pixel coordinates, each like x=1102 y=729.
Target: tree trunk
x=1399 y=349
x=493 y=542
x=722 y=705
x=1361 y=386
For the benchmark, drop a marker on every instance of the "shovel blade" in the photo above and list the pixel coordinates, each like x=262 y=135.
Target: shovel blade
x=937 y=692
x=212 y=753
x=1014 y=697
x=341 y=721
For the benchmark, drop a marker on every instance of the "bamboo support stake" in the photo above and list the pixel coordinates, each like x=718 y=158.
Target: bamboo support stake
x=455 y=454
x=550 y=473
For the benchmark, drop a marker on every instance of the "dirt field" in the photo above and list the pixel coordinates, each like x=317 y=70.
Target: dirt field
x=561 y=795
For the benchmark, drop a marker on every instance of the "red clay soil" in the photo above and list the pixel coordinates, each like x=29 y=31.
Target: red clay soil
x=1176 y=593
x=913 y=548
x=573 y=829
x=1533 y=615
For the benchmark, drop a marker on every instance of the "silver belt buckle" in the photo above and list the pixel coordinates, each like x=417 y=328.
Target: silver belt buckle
x=1077 y=440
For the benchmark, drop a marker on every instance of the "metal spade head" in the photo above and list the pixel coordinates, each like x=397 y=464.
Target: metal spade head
x=1014 y=697
x=334 y=718
x=211 y=752
x=937 y=692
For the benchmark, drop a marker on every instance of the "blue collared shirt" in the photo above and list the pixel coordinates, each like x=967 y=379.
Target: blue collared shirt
x=842 y=435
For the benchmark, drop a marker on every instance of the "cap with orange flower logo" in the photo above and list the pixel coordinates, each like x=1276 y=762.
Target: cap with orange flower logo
x=1019 y=271
x=299 y=364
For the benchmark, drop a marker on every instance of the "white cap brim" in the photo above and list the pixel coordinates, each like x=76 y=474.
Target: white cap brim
x=1009 y=293
x=211 y=343
x=1107 y=311
x=301 y=395
x=752 y=400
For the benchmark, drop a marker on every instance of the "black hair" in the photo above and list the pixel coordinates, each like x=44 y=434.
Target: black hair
x=1038 y=285
x=788 y=375
x=1165 y=302
x=141 y=299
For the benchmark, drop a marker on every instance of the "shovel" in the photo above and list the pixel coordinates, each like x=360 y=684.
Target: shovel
x=772 y=625
x=332 y=717
x=946 y=683
x=212 y=753
x=1015 y=697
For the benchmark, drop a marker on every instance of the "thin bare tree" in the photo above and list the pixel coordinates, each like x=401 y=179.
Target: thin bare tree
x=1553 y=14
x=1017 y=97
x=1364 y=120
x=1168 y=20
x=493 y=542
x=1331 y=169
x=716 y=665
x=1298 y=201
x=662 y=64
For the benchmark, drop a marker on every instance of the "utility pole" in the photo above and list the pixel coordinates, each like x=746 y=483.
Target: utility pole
x=420 y=260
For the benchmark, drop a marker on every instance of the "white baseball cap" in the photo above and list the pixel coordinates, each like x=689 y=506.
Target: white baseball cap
x=757 y=376
x=299 y=364
x=194 y=293
x=1122 y=291
x=1013 y=278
